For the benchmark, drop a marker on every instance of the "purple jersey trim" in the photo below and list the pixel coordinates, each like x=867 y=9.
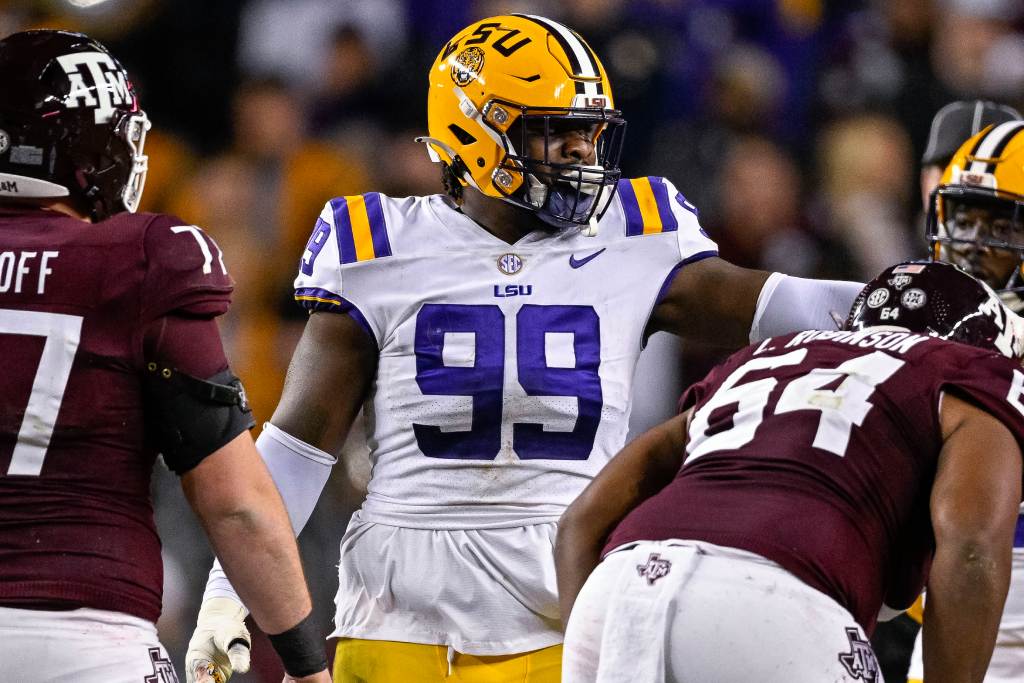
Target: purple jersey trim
x=1018 y=534
x=699 y=256
x=660 y=190
x=378 y=227
x=358 y=316
x=631 y=207
x=315 y=299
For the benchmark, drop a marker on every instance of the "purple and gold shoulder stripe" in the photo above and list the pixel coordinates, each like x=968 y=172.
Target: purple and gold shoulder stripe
x=316 y=299
x=361 y=230
x=645 y=202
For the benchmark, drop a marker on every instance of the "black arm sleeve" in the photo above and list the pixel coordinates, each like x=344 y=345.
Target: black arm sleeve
x=194 y=403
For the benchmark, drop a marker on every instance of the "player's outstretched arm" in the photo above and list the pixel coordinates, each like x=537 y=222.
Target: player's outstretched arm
x=974 y=507
x=240 y=509
x=644 y=467
x=719 y=303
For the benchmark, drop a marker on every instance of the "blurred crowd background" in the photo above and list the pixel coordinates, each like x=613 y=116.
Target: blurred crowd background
x=795 y=126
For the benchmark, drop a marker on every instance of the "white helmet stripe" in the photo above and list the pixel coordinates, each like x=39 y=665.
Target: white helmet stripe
x=588 y=67
x=991 y=145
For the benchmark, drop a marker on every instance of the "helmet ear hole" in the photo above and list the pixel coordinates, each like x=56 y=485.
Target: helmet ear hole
x=461 y=134
x=481 y=162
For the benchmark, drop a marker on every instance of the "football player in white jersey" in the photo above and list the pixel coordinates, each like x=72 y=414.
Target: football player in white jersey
x=491 y=334
x=976 y=221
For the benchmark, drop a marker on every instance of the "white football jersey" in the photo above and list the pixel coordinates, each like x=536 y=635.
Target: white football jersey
x=505 y=370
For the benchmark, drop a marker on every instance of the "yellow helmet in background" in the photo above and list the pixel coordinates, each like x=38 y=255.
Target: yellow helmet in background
x=976 y=215
x=504 y=76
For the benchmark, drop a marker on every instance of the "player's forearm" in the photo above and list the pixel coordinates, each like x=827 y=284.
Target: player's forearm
x=966 y=591
x=240 y=509
x=268 y=557
x=640 y=470
x=576 y=556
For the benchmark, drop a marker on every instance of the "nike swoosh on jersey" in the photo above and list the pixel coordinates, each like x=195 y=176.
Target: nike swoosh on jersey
x=579 y=263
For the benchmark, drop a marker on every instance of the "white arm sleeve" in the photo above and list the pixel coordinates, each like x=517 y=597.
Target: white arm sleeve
x=300 y=472
x=791 y=304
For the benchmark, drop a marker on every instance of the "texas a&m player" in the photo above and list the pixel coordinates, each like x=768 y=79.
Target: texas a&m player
x=812 y=484
x=111 y=355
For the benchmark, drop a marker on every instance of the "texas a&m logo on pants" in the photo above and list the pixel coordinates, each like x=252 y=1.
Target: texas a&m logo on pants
x=654 y=569
x=860 y=661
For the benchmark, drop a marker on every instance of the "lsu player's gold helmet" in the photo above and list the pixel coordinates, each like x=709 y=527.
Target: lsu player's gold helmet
x=507 y=79
x=976 y=214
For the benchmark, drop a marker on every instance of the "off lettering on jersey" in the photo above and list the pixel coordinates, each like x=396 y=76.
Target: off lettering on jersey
x=646 y=204
x=361 y=231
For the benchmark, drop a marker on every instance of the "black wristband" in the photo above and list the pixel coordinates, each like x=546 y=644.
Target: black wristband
x=301 y=648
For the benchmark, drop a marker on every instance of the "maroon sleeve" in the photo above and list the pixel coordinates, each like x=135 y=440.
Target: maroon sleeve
x=694 y=394
x=699 y=391
x=185 y=271
x=993 y=383
x=189 y=344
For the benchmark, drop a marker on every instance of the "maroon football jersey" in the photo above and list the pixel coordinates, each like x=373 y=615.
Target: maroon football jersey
x=818 y=451
x=76 y=523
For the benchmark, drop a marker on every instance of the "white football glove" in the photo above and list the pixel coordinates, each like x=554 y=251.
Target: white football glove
x=220 y=644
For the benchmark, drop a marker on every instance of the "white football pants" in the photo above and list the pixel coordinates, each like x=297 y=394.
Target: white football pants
x=694 y=612
x=82 y=645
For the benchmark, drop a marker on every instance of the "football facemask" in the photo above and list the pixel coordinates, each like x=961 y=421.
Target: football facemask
x=976 y=215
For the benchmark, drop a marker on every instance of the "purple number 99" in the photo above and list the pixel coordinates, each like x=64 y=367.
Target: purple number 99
x=484 y=380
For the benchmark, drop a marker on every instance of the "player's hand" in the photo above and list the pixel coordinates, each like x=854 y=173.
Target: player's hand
x=322 y=677
x=220 y=644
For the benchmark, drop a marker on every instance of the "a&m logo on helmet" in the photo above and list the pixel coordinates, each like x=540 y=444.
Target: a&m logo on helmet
x=96 y=81
x=900 y=281
x=467 y=66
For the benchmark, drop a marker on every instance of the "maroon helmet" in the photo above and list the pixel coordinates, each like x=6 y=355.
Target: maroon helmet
x=70 y=124
x=940 y=300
